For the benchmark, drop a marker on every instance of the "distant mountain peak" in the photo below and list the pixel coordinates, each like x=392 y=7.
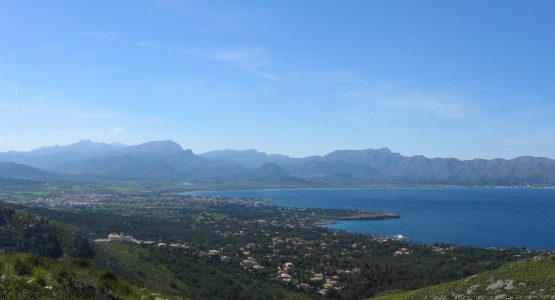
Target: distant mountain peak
x=188 y=151
x=235 y=152
x=165 y=143
x=84 y=146
x=85 y=142
x=384 y=149
x=165 y=147
x=249 y=158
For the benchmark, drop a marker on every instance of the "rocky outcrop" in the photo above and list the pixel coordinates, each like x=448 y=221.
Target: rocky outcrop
x=24 y=232
x=72 y=241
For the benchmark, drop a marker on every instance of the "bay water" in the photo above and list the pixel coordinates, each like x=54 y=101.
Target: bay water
x=482 y=217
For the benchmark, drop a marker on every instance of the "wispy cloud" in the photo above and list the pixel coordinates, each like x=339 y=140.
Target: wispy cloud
x=253 y=60
x=118 y=129
x=440 y=104
x=444 y=106
x=349 y=76
x=119 y=40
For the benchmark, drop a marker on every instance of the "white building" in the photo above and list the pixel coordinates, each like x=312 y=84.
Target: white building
x=114 y=237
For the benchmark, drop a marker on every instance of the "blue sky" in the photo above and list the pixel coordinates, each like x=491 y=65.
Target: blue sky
x=459 y=79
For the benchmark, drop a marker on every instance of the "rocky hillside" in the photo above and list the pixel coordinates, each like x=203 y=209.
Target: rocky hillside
x=21 y=231
x=25 y=276
x=525 y=279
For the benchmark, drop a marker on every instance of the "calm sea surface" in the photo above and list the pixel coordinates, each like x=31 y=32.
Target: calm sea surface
x=478 y=217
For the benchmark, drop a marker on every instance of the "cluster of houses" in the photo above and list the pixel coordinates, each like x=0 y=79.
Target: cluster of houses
x=284 y=272
x=276 y=247
x=72 y=201
x=251 y=263
x=442 y=250
x=402 y=251
x=212 y=199
x=122 y=238
x=323 y=283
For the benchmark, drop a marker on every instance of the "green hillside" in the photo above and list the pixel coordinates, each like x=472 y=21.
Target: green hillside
x=27 y=276
x=525 y=279
x=131 y=262
x=182 y=275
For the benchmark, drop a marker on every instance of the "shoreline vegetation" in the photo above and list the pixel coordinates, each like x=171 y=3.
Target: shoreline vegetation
x=357 y=216
x=361 y=217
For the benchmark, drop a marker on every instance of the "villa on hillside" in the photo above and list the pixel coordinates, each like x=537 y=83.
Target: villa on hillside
x=114 y=237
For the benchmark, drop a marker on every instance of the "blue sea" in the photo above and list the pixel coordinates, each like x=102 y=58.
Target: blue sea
x=484 y=217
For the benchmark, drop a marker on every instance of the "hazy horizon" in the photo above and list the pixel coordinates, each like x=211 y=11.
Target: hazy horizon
x=442 y=79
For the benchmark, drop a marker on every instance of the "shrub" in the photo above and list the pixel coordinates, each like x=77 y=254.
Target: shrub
x=80 y=262
x=108 y=276
x=40 y=276
x=63 y=276
x=35 y=260
x=108 y=279
x=22 y=268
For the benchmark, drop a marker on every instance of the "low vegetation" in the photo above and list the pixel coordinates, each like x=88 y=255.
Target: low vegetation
x=27 y=276
x=526 y=279
x=180 y=274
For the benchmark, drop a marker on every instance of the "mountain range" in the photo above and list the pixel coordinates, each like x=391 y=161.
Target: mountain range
x=168 y=160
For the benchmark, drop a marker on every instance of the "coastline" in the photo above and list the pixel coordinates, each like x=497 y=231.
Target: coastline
x=239 y=188
x=361 y=217
x=430 y=215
